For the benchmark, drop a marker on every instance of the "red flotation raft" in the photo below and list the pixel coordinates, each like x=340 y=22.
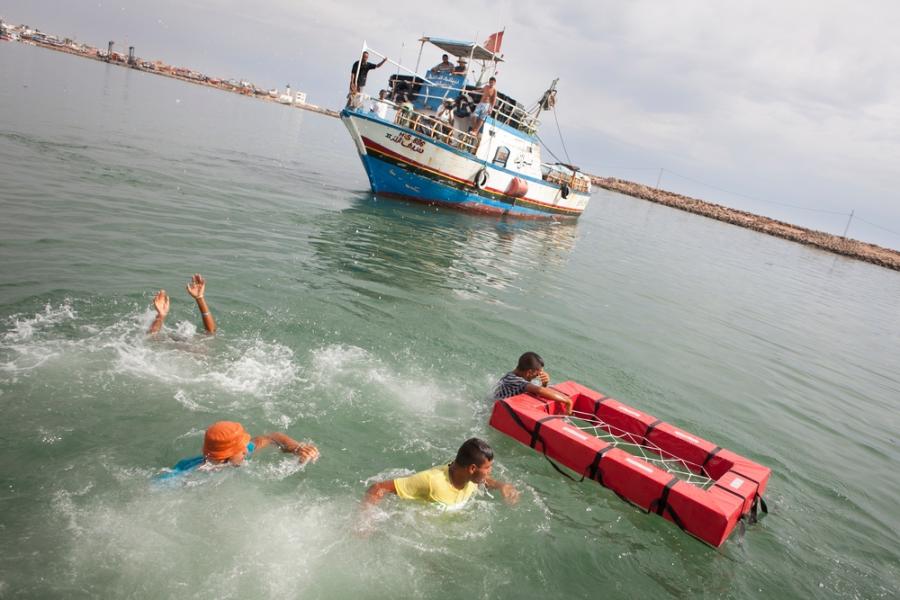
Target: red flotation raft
x=704 y=489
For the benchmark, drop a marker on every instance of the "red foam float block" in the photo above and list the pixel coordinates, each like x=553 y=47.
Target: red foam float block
x=708 y=514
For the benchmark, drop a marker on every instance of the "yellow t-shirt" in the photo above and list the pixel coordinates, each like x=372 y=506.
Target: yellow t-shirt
x=434 y=485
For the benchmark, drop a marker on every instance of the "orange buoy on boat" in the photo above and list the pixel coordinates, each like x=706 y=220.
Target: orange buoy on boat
x=517 y=188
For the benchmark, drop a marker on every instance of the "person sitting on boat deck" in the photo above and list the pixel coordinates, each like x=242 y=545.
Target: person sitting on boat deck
x=461 y=67
x=227 y=443
x=360 y=71
x=518 y=381
x=445 y=66
x=380 y=106
x=196 y=288
x=444 y=118
x=485 y=105
x=448 y=485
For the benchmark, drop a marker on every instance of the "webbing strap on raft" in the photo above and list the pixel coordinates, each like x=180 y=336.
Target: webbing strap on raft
x=710 y=455
x=730 y=491
x=597 y=404
x=759 y=503
x=661 y=504
x=535 y=435
x=593 y=471
x=650 y=429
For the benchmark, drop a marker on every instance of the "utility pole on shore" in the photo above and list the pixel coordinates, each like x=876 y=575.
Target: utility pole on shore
x=109 y=51
x=659 y=178
x=847 y=228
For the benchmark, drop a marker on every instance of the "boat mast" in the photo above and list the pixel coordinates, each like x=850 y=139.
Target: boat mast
x=421 y=47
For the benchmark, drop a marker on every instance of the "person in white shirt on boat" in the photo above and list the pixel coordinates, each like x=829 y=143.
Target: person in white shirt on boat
x=518 y=381
x=485 y=105
x=380 y=106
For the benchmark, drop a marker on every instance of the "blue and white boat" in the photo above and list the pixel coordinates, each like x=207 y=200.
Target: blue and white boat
x=417 y=152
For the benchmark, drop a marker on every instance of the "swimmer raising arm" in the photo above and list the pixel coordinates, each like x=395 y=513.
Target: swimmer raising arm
x=161 y=304
x=196 y=289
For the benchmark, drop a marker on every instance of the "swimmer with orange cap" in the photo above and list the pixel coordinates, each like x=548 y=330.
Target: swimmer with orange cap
x=227 y=443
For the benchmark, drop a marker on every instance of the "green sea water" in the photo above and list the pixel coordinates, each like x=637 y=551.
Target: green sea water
x=375 y=328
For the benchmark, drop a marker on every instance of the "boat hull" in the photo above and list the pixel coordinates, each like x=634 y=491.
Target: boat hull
x=401 y=163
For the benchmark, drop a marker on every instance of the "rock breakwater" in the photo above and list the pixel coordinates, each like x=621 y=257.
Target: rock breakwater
x=872 y=253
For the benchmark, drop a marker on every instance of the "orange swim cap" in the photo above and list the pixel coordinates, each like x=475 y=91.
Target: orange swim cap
x=224 y=439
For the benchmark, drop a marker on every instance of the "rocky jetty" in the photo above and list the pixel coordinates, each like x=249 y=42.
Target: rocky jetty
x=872 y=253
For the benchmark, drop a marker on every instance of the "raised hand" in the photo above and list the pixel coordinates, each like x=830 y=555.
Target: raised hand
x=197 y=286
x=161 y=303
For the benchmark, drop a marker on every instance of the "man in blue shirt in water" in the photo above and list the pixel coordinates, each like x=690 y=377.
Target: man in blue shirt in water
x=518 y=381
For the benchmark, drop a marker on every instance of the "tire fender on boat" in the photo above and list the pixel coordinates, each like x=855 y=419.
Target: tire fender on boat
x=564 y=190
x=480 y=179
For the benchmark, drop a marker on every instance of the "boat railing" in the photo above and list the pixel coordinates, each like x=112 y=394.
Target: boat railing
x=503 y=111
x=436 y=129
x=571 y=179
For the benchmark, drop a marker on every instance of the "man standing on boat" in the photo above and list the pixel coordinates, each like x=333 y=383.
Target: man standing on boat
x=359 y=72
x=485 y=105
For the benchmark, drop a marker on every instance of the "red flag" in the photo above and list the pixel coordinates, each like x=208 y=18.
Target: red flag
x=493 y=43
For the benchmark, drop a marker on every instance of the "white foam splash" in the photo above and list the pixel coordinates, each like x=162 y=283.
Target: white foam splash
x=24 y=328
x=177 y=356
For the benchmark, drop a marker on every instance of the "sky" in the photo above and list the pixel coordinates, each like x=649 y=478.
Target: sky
x=787 y=109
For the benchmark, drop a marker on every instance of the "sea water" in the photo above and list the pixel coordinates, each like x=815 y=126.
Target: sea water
x=375 y=329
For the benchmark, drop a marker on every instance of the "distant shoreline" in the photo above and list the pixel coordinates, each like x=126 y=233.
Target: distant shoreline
x=173 y=73
x=884 y=257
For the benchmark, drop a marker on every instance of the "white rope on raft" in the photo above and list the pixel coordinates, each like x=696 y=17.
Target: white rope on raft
x=642 y=448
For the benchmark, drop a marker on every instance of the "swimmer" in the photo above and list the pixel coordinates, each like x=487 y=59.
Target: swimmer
x=196 y=288
x=227 y=443
x=448 y=485
x=518 y=381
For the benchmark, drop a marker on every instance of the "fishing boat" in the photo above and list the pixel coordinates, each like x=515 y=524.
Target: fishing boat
x=416 y=143
x=706 y=490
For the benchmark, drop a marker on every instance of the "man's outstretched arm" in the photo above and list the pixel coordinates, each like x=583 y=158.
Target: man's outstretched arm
x=196 y=288
x=510 y=493
x=379 y=490
x=550 y=394
x=161 y=304
x=288 y=445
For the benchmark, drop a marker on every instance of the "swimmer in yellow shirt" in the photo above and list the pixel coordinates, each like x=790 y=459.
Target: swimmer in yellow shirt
x=449 y=485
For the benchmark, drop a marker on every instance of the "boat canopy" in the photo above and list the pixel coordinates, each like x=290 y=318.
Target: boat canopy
x=461 y=49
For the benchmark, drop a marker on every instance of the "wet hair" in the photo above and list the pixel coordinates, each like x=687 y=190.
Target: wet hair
x=492 y=79
x=529 y=361
x=474 y=451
